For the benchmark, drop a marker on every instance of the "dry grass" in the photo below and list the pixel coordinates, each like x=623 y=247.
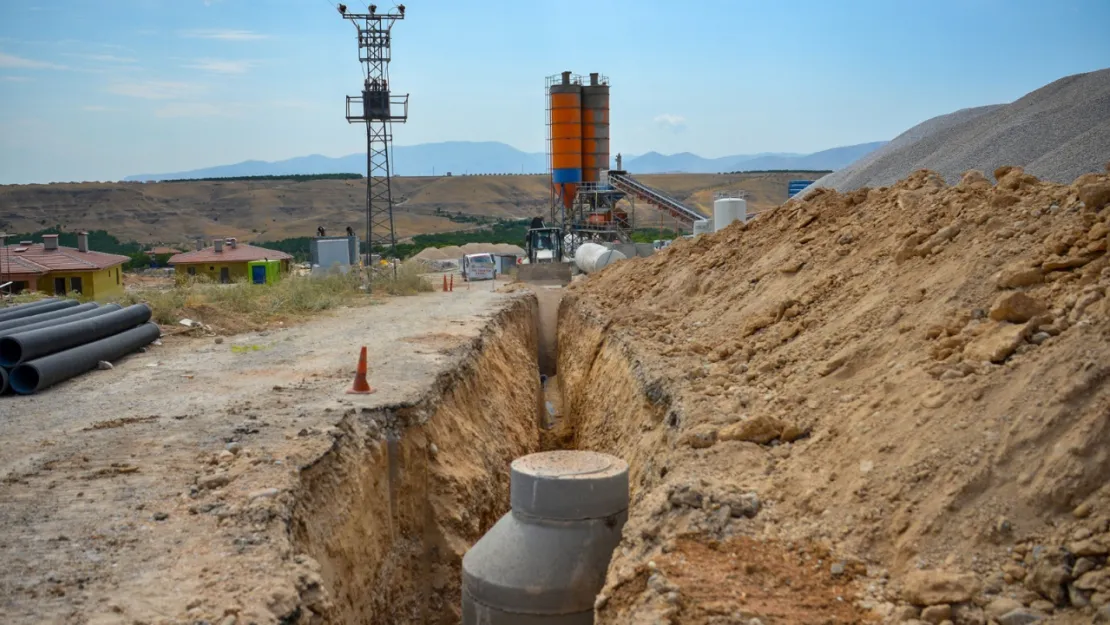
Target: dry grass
x=242 y=306
x=408 y=279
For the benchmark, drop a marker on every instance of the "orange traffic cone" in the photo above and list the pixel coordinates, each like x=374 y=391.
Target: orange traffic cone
x=361 y=386
x=452 y=285
x=445 y=284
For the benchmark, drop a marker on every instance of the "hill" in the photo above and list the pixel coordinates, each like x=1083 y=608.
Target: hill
x=458 y=157
x=490 y=157
x=268 y=210
x=1057 y=132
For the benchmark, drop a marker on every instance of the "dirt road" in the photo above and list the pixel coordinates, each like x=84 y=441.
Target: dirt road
x=148 y=493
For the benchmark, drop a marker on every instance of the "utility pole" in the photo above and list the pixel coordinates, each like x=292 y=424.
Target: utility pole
x=378 y=109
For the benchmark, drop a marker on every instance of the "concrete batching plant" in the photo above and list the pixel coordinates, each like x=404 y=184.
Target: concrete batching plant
x=583 y=203
x=588 y=200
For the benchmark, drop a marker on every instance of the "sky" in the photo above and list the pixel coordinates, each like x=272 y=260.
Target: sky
x=103 y=89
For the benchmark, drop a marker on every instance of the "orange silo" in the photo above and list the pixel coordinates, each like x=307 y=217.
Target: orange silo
x=595 y=128
x=565 y=102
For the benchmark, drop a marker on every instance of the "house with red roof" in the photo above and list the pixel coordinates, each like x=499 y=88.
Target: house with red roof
x=227 y=260
x=58 y=270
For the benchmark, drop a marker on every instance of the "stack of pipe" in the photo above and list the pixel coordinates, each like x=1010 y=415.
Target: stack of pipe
x=50 y=341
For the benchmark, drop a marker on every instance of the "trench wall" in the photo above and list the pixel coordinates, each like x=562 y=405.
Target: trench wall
x=390 y=510
x=610 y=402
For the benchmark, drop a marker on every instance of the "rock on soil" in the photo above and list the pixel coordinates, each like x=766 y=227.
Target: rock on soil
x=936 y=587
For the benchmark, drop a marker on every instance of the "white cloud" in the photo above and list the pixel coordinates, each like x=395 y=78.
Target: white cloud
x=674 y=123
x=225 y=34
x=18 y=62
x=15 y=78
x=108 y=58
x=95 y=108
x=192 y=109
x=157 y=90
x=221 y=66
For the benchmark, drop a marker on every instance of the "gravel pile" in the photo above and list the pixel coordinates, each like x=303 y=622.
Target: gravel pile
x=1057 y=133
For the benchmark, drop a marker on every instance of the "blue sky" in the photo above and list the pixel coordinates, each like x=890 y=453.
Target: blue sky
x=101 y=89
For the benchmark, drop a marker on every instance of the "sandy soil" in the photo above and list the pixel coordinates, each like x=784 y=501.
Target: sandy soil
x=158 y=492
x=913 y=377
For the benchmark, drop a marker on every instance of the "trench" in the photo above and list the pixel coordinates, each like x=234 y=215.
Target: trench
x=389 y=511
x=405 y=490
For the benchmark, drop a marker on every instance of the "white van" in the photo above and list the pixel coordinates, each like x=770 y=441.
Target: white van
x=478 y=267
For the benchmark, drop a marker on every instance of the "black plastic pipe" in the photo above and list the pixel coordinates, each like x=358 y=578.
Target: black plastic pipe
x=6 y=326
x=35 y=375
x=34 y=324
x=23 y=346
x=3 y=380
x=37 y=309
x=8 y=309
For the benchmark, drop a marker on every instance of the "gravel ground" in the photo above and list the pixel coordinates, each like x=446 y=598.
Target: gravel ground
x=1057 y=132
x=97 y=524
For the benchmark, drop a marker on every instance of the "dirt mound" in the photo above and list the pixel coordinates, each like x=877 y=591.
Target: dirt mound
x=915 y=376
x=1057 y=132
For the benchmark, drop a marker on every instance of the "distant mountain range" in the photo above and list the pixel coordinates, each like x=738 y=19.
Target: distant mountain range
x=490 y=157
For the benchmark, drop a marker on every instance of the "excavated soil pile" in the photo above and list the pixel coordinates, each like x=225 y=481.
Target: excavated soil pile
x=1057 y=132
x=880 y=405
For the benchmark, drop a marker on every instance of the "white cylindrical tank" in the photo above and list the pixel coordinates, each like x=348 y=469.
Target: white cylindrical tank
x=727 y=210
x=591 y=257
x=702 y=226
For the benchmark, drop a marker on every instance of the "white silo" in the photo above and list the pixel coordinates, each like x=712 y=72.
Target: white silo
x=727 y=210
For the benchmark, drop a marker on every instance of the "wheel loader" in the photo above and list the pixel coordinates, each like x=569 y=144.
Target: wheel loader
x=546 y=262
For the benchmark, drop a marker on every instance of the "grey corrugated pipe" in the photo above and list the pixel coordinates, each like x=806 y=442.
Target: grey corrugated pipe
x=33 y=323
x=36 y=309
x=23 y=346
x=8 y=309
x=41 y=373
x=6 y=327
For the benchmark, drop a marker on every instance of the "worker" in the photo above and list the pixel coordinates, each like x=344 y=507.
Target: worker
x=320 y=232
x=350 y=231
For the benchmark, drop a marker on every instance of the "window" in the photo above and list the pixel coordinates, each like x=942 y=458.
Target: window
x=75 y=284
x=59 y=286
x=117 y=275
x=192 y=271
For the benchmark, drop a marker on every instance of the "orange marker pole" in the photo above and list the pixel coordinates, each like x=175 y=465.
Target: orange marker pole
x=444 y=283
x=452 y=285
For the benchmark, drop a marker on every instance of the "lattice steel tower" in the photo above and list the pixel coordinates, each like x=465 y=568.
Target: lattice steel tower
x=378 y=109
